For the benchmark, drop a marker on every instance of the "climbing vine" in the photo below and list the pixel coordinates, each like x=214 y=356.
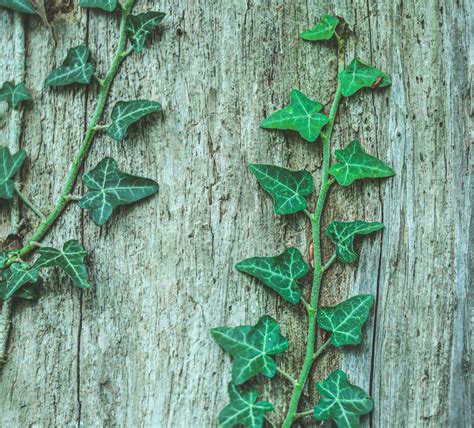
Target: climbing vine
x=253 y=347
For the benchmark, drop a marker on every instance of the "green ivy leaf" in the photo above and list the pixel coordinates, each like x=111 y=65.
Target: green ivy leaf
x=74 y=69
x=9 y=166
x=139 y=26
x=343 y=234
x=280 y=273
x=107 y=5
x=252 y=348
x=125 y=113
x=70 y=260
x=111 y=188
x=302 y=115
x=15 y=277
x=243 y=409
x=13 y=94
x=355 y=164
x=359 y=75
x=287 y=188
x=18 y=5
x=322 y=31
x=341 y=401
x=346 y=319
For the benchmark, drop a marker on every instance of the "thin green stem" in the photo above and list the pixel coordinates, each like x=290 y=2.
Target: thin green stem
x=321 y=349
x=269 y=422
x=329 y=263
x=29 y=204
x=287 y=376
x=303 y=414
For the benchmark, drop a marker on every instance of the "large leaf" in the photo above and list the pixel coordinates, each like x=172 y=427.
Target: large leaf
x=18 y=5
x=70 y=260
x=15 y=277
x=139 y=26
x=324 y=30
x=358 y=75
x=9 y=165
x=287 y=188
x=252 y=348
x=341 y=401
x=107 y=5
x=109 y=188
x=346 y=319
x=280 y=273
x=302 y=115
x=243 y=409
x=355 y=164
x=343 y=234
x=13 y=94
x=125 y=113
x=74 y=69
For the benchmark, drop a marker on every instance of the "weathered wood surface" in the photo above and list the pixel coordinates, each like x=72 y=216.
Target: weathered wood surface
x=135 y=351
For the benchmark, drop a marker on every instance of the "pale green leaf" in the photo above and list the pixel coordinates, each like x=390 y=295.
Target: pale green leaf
x=280 y=273
x=13 y=94
x=18 y=5
x=302 y=115
x=355 y=164
x=324 y=30
x=74 y=69
x=358 y=75
x=15 y=277
x=109 y=188
x=252 y=348
x=9 y=166
x=287 y=188
x=139 y=26
x=107 y=5
x=341 y=401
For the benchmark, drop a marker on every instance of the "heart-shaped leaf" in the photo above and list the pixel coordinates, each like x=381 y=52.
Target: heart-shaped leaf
x=15 y=277
x=107 y=5
x=139 y=26
x=355 y=164
x=70 y=260
x=346 y=319
x=243 y=409
x=343 y=234
x=302 y=115
x=322 y=31
x=75 y=69
x=341 y=401
x=287 y=188
x=358 y=75
x=280 y=273
x=9 y=165
x=13 y=94
x=109 y=188
x=126 y=113
x=18 y=5
x=252 y=348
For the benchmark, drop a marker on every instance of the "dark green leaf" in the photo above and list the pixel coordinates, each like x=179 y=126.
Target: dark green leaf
x=302 y=115
x=243 y=409
x=280 y=273
x=287 y=188
x=15 y=277
x=125 y=113
x=346 y=319
x=343 y=233
x=75 y=69
x=341 y=401
x=107 y=5
x=13 y=94
x=70 y=260
x=355 y=164
x=9 y=165
x=109 y=188
x=139 y=26
x=18 y=5
x=252 y=348
x=28 y=292
x=359 y=75
x=322 y=31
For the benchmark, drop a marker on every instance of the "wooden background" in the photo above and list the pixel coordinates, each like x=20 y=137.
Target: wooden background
x=135 y=350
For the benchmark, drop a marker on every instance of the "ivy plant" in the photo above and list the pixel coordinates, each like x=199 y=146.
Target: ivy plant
x=255 y=350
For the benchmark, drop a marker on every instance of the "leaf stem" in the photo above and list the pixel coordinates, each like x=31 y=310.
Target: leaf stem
x=329 y=263
x=287 y=376
x=303 y=414
x=29 y=204
x=321 y=349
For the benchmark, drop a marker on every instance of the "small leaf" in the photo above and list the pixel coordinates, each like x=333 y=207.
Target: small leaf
x=15 y=277
x=252 y=348
x=355 y=164
x=346 y=319
x=13 y=94
x=280 y=273
x=70 y=260
x=28 y=292
x=359 y=75
x=9 y=165
x=126 y=113
x=107 y=5
x=75 y=69
x=322 y=31
x=302 y=115
x=343 y=233
x=18 y=5
x=287 y=188
x=243 y=409
x=341 y=401
x=139 y=26
x=111 y=188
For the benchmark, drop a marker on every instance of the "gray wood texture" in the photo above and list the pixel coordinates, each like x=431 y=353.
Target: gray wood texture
x=135 y=350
